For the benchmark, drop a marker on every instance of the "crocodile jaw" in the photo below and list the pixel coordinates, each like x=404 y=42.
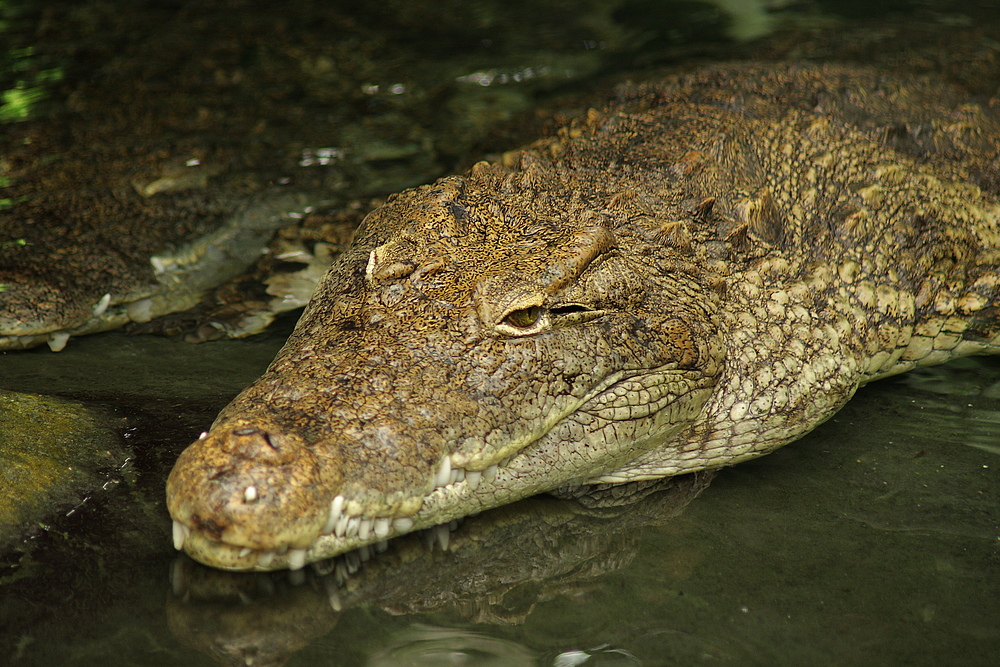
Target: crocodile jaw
x=212 y=527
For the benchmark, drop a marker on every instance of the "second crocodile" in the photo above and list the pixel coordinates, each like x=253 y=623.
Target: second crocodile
x=700 y=273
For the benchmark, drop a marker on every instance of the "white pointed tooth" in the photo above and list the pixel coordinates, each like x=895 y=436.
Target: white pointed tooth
x=245 y=551
x=403 y=524
x=341 y=571
x=336 y=510
x=102 y=305
x=473 y=477
x=381 y=527
x=57 y=341
x=265 y=558
x=459 y=474
x=204 y=434
x=332 y=596
x=442 y=534
x=353 y=561
x=444 y=472
x=296 y=559
x=490 y=473
x=352 y=526
x=365 y=529
x=341 y=528
x=453 y=477
x=250 y=494
x=180 y=534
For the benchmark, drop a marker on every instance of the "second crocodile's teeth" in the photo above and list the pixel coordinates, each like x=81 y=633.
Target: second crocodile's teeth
x=180 y=534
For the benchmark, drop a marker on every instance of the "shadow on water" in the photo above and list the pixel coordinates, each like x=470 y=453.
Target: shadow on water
x=874 y=540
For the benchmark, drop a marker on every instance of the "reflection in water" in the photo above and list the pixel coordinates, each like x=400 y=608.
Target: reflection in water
x=493 y=568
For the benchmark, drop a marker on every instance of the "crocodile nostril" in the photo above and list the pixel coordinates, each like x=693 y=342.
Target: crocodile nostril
x=256 y=444
x=253 y=432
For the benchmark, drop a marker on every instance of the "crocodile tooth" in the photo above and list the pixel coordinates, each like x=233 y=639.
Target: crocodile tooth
x=340 y=571
x=353 y=562
x=490 y=473
x=180 y=534
x=473 y=477
x=296 y=559
x=453 y=476
x=282 y=550
x=265 y=558
x=352 y=526
x=250 y=494
x=102 y=306
x=57 y=341
x=381 y=527
x=336 y=509
x=444 y=472
x=381 y=546
x=365 y=553
x=245 y=551
x=204 y=434
x=332 y=596
x=297 y=577
x=459 y=474
x=403 y=524
x=442 y=534
x=365 y=529
x=341 y=525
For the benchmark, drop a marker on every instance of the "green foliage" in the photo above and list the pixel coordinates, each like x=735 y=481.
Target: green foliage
x=30 y=87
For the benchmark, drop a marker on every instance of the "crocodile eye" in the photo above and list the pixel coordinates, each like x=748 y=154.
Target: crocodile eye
x=524 y=318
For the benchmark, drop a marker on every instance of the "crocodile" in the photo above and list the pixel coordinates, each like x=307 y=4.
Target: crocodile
x=698 y=273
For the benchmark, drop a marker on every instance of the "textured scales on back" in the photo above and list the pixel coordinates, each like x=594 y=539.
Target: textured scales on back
x=697 y=275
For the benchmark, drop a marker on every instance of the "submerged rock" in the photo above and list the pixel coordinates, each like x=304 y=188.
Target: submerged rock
x=53 y=454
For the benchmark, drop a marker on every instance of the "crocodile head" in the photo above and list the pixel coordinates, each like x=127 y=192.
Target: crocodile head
x=484 y=339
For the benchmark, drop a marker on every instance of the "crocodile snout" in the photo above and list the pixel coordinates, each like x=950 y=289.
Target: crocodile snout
x=248 y=486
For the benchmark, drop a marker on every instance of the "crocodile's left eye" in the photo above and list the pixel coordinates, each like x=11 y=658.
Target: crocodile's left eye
x=524 y=321
x=524 y=318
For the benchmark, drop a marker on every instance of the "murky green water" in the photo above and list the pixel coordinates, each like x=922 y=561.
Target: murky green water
x=874 y=540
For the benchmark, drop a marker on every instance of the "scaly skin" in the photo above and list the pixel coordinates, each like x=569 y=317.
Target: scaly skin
x=695 y=276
